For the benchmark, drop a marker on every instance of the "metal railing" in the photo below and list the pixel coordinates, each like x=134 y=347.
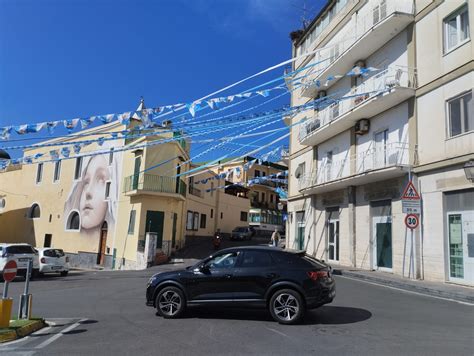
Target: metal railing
x=394 y=154
x=392 y=77
x=154 y=183
x=354 y=32
x=195 y=191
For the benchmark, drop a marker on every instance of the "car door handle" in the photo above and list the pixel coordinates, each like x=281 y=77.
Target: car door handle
x=271 y=275
x=227 y=276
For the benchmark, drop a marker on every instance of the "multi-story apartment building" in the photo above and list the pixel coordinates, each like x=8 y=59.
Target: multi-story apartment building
x=99 y=208
x=397 y=78
x=265 y=212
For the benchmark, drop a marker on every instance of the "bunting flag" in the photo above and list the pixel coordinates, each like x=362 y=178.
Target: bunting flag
x=54 y=154
x=65 y=151
x=5 y=132
x=77 y=148
x=3 y=164
x=70 y=124
x=51 y=125
x=124 y=118
x=87 y=121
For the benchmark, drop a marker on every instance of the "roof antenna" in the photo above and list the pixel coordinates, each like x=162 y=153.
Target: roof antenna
x=305 y=21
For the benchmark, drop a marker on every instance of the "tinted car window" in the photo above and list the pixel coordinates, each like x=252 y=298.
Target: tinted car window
x=226 y=260
x=256 y=259
x=53 y=253
x=19 y=249
x=291 y=259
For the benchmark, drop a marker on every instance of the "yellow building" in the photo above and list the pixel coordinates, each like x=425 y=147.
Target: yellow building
x=99 y=207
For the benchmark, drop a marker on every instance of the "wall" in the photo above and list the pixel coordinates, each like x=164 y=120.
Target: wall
x=230 y=207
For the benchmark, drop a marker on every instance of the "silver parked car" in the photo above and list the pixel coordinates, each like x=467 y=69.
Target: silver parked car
x=53 y=260
x=241 y=233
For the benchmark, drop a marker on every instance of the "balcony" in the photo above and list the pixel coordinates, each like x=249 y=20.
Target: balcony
x=377 y=94
x=379 y=163
x=195 y=191
x=150 y=184
x=387 y=19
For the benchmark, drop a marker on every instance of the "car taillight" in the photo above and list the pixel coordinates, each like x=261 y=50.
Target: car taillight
x=43 y=260
x=314 y=275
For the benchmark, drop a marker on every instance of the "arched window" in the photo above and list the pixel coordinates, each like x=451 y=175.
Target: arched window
x=73 y=221
x=35 y=211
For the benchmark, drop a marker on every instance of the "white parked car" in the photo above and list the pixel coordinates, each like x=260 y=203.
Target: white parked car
x=53 y=260
x=21 y=254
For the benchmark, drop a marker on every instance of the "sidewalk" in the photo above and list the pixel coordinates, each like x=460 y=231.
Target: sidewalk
x=436 y=289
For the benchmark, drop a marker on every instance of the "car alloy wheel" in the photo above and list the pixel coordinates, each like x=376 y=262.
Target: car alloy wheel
x=286 y=306
x=170 y=302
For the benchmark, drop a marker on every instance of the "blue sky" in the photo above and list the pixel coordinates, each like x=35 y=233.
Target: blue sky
x=61 y=59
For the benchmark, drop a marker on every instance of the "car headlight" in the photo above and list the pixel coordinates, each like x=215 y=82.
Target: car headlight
x=150 y=281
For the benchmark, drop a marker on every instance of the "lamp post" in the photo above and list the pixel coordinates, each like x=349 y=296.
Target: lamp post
x=469 y=170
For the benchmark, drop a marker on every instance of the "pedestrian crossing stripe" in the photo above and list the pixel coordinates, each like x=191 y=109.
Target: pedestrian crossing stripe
x=410 y=192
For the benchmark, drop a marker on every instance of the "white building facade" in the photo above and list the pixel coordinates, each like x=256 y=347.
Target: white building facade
x=408 y=115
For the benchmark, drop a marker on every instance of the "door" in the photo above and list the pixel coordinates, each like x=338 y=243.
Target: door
x=47 y=240
x=136 y=172
x=215 y=281
x=300 y=227
x=102 y=244
x=333 y=236
x=178 y=180
x=380 y=154
x=461 y=246
x=381 y=212
x=154 y=223
x=173 y=236
x=254 y=275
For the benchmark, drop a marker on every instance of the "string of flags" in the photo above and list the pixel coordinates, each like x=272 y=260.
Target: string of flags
x=146 y=116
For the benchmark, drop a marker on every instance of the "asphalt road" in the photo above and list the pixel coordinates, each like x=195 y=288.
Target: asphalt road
x=104 y=313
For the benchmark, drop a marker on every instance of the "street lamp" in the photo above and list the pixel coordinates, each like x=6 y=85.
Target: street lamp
x=469 y=170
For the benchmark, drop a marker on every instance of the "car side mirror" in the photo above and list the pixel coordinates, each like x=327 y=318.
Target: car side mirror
x=202 y=269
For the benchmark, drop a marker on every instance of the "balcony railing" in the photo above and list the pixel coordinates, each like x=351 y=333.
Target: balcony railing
x=195 y=191
x=362 y=27
x=396 y=154
x=154 y=183
x=393 y=77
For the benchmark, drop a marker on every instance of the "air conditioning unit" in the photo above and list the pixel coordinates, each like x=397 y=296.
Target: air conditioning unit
x=166 y=123
x=362 y=126
x=321 y=94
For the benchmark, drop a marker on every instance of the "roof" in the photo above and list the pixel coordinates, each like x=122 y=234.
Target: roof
x=262 y=248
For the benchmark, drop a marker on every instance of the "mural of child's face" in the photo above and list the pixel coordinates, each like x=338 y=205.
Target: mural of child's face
x=93 y=205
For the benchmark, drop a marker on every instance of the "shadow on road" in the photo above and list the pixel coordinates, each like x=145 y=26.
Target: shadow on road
x=326 y=315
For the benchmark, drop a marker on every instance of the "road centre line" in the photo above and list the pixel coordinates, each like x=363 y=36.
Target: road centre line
x=408 y=291
x=58 y=335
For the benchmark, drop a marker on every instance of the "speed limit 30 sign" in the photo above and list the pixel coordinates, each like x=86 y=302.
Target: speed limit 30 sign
x=412 y=221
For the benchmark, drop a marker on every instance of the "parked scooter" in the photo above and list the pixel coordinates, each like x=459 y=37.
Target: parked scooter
x=216 y=241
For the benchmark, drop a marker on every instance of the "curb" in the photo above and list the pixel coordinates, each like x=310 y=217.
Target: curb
x=465 y=298
x=22 y=332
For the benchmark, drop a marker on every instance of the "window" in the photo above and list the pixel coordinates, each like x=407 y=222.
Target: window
x=73 y=221
x=243 y=216
x=256 y=259
x=257 y=173
x=39 y=173
x=222 y=215
x=196 y=221
x=189 y=220
x=107 y=190
x=131 y=222
x=203 y=221
x=111 y=156
x=35 y=212
x=212 y=213
x=212 y=189
x=57 y=171
x=78 y=169
x=226 y=260
x=456 y=29
x=2 y=203
x=461 y=114
x=263 y=197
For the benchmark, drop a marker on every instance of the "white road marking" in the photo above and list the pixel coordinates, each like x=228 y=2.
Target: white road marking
x=407 y=291
x=58 y=335
x=276 y=331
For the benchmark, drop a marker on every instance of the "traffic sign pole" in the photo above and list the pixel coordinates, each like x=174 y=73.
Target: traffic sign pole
x=5 y=289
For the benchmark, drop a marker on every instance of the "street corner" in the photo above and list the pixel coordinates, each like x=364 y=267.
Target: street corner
x=21 y=328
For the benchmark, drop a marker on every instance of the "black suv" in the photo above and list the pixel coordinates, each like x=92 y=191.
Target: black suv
x=284 y=281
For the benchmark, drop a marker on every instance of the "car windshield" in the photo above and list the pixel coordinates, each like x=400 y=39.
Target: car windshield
x=19 y=249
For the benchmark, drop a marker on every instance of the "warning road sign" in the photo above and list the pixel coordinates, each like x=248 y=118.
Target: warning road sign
x=410 y=192
x=412 y=221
